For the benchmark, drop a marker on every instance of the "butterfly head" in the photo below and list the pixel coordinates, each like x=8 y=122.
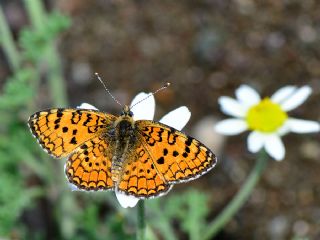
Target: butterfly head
x=126 y=112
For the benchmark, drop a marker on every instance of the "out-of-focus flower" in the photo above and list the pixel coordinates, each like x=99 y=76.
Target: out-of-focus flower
x=144 y=110
x=266 y=118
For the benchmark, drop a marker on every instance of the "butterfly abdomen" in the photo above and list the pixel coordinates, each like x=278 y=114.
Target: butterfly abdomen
x=124 y=138
x=116 y=168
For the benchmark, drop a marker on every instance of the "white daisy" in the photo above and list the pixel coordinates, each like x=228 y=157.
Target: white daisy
x=177 y=119
x=266 y=118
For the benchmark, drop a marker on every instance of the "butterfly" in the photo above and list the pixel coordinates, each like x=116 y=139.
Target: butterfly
x=140 y=158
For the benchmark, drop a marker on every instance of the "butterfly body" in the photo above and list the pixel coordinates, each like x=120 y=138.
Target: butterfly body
x=140 y=158
x=122 y=138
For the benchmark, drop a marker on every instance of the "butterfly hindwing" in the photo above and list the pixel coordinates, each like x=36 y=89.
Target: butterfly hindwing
x=88 y=168
x=140 y=178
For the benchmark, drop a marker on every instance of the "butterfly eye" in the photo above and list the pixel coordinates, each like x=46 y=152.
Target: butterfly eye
x=127 y=113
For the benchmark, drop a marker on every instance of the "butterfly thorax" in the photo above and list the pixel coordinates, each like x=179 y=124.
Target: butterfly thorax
x=124 y=138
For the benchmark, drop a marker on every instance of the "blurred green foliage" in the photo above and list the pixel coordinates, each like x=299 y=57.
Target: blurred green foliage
x=35 y=42
x=188 y=209
x=17 y=91
x=28 y=177
x=20 y=158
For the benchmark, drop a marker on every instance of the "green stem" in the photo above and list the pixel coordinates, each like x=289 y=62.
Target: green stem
x=238 y=201
x=55 y=78
x=7 y=42
x=38 y=17
x=36 y=13
x=141 y=221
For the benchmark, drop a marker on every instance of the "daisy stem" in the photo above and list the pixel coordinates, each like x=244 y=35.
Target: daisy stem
x=240 y=198
x=141 y=221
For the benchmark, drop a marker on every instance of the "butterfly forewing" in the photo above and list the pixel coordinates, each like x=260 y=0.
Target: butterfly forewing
x=60 y=131
x=176 y=156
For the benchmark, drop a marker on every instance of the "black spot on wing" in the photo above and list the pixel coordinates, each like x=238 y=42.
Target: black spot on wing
x=160 y=160
x=73 y=141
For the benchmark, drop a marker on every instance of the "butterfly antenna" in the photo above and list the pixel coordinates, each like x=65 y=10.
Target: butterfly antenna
x=151 y=94
x=105 y=87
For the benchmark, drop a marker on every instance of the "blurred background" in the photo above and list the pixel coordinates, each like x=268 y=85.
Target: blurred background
x=49 y=53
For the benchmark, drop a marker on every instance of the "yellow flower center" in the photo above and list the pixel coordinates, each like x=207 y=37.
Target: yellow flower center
x=266 y=116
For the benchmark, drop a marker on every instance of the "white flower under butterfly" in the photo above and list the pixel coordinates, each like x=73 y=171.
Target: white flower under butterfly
x=267 y=118
x=177 y=119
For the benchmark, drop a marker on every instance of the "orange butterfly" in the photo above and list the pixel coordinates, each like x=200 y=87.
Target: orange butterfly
x=140 y=158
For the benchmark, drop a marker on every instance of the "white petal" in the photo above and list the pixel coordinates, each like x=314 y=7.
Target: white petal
x=274 y=147
x=283 y=93
x=247 y=95
x=73 y=187
x=255 y=141
x=284 y=129
x=232 y=107
x=303 y=126
x=231 y=126
x=145 y=109
x=87 y=106
x=177 y=118
x=126 y=200
x=296 y=99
